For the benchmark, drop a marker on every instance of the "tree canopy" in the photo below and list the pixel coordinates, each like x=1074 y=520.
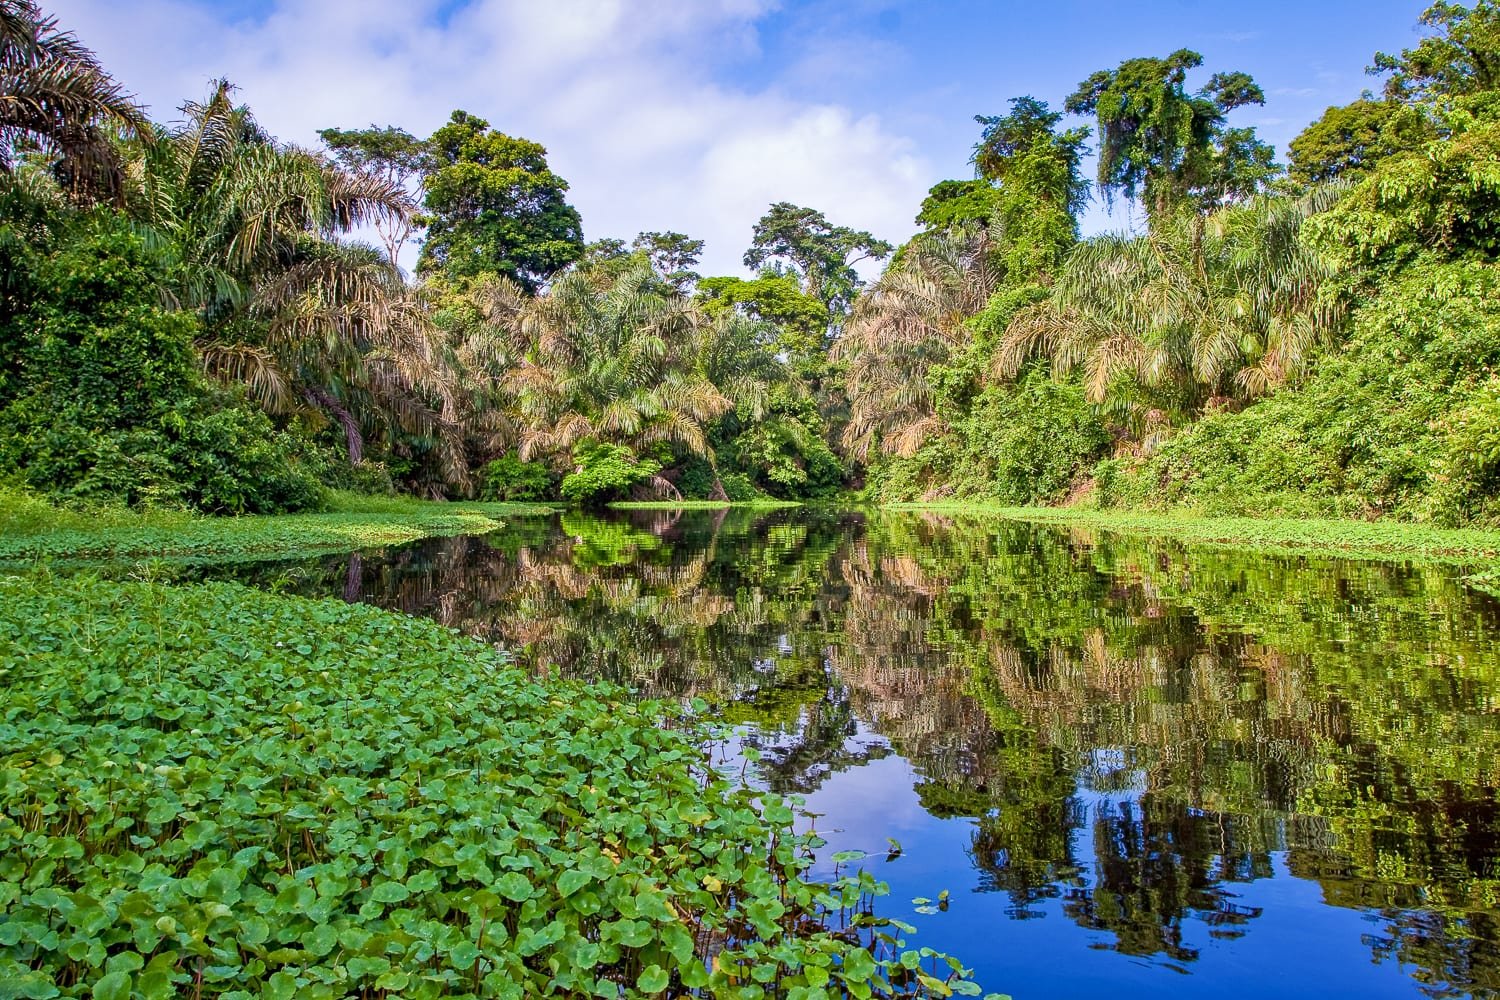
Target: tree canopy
x=495 y=207
x=1168 y=145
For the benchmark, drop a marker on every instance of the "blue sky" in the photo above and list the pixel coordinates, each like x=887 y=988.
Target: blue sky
x=696 y=114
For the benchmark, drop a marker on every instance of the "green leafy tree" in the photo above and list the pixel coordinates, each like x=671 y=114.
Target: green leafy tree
x=393 y=155
x=821 y=255
x=1349 y=140
x=801 y=319
x=674 y=255
x=494 y=206
x=958 y=203
x=1038 y=170
x=1167 y=145
x=1461 y=56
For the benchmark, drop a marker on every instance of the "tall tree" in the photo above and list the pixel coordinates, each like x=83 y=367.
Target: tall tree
x=1170 y=146
x=673 y=255
x=395 y=156
x=1461 y=57
x=1195 y=311
x=495 y=206
x=821 y=254
x=57 y=99
x=1038 y=170
x=308 y=324
x=1348 y=140
x=605 y=359
x=913 y=318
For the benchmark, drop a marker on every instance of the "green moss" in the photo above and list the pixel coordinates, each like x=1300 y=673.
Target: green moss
x=212 y=787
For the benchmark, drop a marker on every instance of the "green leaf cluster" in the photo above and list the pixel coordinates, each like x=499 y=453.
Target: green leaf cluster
x=210 y=790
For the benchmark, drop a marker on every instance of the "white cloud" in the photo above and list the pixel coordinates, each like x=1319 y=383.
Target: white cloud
x=626 y=96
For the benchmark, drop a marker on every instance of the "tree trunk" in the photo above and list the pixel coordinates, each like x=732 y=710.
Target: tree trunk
x=352 y=436
x=718 y=492
x=354 y=578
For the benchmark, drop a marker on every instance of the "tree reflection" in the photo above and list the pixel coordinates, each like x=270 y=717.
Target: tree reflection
x=1135 y=728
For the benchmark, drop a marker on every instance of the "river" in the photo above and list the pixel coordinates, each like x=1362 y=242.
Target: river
x=1136 y=768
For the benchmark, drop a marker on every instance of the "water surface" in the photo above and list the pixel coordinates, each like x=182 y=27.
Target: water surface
x=1138 y=768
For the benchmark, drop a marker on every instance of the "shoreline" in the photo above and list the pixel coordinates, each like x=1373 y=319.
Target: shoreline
x=1299 y=536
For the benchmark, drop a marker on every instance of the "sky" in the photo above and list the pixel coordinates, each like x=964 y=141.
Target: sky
x=696 y=115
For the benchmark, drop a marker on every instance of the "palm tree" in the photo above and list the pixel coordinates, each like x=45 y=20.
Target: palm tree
x=57 y=100
x=1197 y=312
x=614 y=359
x=913 y=318
x=309 y=325
x=604 y=362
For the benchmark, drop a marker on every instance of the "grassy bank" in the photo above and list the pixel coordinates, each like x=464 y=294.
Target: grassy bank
x=1364 y=539
x=210 y=790
x=32 y=529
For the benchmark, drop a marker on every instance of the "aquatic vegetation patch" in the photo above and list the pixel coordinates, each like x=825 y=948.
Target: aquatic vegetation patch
x=38 y=531
x=1382 y=539
x=211 y=791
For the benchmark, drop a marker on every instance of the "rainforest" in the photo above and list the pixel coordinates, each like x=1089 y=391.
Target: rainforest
x=403 y=593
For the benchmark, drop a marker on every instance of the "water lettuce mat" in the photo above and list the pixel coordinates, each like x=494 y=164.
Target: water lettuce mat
x=211 y=791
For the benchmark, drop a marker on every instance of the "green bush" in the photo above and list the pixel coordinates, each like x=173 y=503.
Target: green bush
x=106 y=403
x=1022 y=443
x=509 y=478
x=605 y=472
x=1400 y=422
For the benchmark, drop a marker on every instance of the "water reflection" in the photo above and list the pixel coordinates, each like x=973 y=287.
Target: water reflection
x=1266 y=772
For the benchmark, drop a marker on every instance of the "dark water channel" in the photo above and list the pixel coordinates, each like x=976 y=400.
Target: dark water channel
x=1139 y=769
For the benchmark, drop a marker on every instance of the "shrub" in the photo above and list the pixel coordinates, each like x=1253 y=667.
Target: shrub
x=509 y=478
x=107 y=403
x=1400 y=422
x=605 y=472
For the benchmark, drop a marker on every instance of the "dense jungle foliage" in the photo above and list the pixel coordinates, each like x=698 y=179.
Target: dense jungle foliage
x=189 y=321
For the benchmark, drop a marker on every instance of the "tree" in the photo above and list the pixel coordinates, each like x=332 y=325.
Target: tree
x=1194 y=312
x=310 y=326
x=913 y=318
x=819 y=253
x=800 y=319
x=1170 y=147
x=1460 y=58
x=673 y=255
x=605 y=359
x=958 y=203
x=1042 y=190
x=1348 y=140
x=397 y=157
x=495 y=206
x=56 y=99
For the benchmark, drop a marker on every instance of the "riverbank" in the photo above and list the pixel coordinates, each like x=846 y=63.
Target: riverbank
x=702 y=504
x=1355 y=539
x=193 y=762
x=33 y=530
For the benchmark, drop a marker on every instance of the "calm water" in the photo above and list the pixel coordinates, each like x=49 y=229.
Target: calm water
x=1139 y=769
